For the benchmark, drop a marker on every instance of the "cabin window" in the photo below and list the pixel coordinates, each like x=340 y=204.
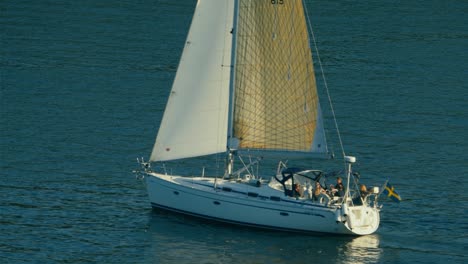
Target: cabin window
x=275 y=198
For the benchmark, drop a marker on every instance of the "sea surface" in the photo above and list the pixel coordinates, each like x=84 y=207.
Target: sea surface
x=83 y=89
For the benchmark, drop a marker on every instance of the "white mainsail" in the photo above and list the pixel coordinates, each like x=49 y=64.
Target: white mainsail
x=196 y=117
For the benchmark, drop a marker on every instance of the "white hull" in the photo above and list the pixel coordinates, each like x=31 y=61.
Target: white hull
x=262 y=207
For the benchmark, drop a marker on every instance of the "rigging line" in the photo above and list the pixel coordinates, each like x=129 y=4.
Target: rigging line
x=325 y=82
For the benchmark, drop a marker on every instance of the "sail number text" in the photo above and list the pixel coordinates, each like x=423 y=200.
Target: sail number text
x=277 y=2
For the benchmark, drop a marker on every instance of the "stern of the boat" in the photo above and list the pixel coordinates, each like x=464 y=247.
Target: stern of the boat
x=360 y=220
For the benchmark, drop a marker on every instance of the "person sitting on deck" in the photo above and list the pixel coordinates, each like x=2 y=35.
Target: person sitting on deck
x=297 y=190
x=338 y=189
x=363 y=191
x=317 y=191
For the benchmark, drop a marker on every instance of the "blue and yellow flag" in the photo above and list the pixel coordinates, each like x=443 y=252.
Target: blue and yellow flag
x=390 y=192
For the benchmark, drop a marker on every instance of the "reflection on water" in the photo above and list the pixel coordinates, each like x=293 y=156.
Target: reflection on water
x=363 y=249
x=185 y=239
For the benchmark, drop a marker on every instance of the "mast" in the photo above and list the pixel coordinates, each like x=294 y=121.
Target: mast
x=230 y=140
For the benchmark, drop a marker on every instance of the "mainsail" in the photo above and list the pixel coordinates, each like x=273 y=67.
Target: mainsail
x=276 y=105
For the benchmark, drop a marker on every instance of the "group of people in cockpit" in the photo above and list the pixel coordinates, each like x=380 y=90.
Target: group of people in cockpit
x=337 y=190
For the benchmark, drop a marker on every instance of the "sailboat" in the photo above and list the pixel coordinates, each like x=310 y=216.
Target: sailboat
x=245 y=89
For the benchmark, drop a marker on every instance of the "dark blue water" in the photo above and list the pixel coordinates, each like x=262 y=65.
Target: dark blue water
x=84 y=85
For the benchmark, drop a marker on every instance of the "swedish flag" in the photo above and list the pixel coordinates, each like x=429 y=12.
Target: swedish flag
x=390 y=192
